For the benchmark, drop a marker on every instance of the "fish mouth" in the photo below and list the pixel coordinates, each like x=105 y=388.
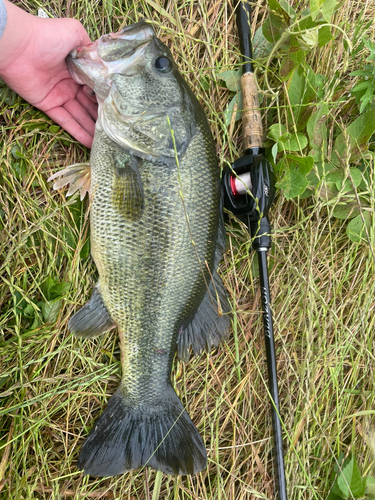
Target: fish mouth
x=94 y=64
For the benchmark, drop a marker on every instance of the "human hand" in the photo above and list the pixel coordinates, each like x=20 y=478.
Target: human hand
x=32 y=63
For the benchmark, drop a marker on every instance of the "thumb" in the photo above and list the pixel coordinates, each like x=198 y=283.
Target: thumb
x=64 y=33
x=77 y=32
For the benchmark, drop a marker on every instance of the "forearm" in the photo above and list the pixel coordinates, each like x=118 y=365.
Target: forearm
x=17 y=34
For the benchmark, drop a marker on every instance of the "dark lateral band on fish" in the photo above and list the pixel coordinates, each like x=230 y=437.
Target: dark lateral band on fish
x=152 y=285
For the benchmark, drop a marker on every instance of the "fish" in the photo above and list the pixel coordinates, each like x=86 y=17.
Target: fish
x=157 y=236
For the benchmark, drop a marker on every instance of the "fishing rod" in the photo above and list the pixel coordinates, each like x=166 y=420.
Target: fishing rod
x=249 y=190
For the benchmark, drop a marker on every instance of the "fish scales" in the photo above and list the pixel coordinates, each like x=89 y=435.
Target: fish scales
x=157 y=236
x=149 y=268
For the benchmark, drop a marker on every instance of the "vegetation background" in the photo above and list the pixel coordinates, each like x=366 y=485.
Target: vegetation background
x=315 y=72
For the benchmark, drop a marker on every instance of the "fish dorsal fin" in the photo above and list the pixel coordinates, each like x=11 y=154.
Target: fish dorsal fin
x=210 y=324
x=92 y=319
x=127 y=190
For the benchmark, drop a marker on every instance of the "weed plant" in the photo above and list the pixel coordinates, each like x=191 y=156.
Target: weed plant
x=315 y=74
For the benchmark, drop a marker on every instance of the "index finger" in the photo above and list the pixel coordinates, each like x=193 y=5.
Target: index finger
x=63 y=118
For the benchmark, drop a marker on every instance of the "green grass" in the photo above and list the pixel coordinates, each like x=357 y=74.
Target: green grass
x=54 y=386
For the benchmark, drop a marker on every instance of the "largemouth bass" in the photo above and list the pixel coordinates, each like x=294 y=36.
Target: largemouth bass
x=157 y=236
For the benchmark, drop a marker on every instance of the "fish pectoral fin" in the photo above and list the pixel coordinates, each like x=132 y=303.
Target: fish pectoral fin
x=92 y=319
x=77 y=175
x=127 y=192
x=160 y=435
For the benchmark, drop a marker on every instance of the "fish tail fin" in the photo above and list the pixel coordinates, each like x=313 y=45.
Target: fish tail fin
x=126 y=437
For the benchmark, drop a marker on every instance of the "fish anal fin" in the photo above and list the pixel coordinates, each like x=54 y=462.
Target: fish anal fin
x=78 y=176
x=127 y=191
x=92 y=319
x=126 y=437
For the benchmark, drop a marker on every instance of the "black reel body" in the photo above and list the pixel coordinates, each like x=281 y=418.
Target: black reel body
x=249 y=187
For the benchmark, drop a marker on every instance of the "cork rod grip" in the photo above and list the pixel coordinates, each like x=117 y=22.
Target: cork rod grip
x=252 y=130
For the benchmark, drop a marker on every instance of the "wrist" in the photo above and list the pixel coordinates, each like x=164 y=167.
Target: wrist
x=16 y=36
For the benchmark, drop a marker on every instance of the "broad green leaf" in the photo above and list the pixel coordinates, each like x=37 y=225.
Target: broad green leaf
x=285 y=137
x=370 y=487
x=287 y=8
x=51 y=311
x=367 y=98
x=294 y=170
x=285 y=140
x=339 y=177
x=315 y=8
x=29 y=311
x=355 y=176
x=274 y=27
x=59 y=290
x=54 y=129
x=320 y=83
x=363 y=127
x=301 y=91
x=36 y=323
x=317 y=132
x=341 y=151
x=85 y=251
x=356 y=230
x=350 y=480
x=332 y=496
x=296 y=142
x=348 y=145
x=362 y=86
x=282 y=7
x=324 y=7
x=237 y=99
x=20 y=169
x=275 y=6
x=324 y=35
x=344 y=210
x=287 y=66
x=312 y=176
x=328 y=8
x=232 y=79
x=297 y=55
x=292 y=58
x=47 y=286
x=327 y=191
x=308 y=192
x=359 y=72
x=341 y=461
x=276 y=131
x=261 y=45
x=306 y=22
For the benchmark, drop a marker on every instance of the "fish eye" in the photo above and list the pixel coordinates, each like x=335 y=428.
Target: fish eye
x=163 y=64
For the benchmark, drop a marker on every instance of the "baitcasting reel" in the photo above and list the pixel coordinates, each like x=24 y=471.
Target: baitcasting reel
x=249 y=190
